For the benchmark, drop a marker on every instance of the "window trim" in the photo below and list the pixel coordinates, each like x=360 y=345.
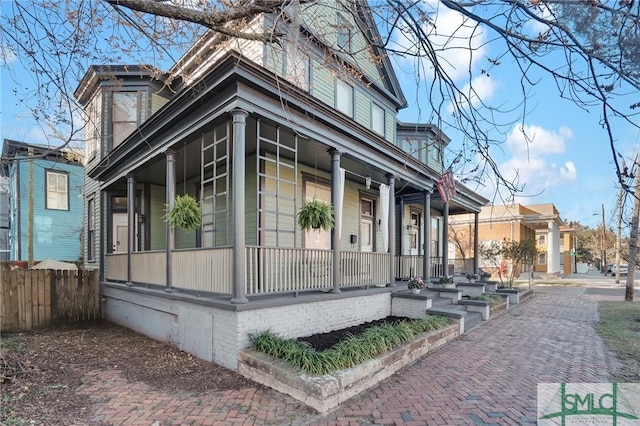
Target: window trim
x=91 y=230
x=48 y=172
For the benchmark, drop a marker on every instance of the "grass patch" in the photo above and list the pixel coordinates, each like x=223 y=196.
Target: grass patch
x=347 y=353
x=619 y=326
x=493 y=299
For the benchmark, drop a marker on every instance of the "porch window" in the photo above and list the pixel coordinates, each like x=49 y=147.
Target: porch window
x=91 y=230
x=343 y=30
x=344 y=98
x=377 y=119
x=57 y=190
x=124 y=116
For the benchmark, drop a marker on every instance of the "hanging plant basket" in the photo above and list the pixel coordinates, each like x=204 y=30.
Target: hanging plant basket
x=185 y=213
x=316 y=214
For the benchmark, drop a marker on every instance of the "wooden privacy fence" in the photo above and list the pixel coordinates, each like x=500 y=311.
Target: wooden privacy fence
x=38 y=298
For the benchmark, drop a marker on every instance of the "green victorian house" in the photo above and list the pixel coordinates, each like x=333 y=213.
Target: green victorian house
x=251 y=131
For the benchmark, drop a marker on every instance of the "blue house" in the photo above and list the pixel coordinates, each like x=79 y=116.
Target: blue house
x=55 y=178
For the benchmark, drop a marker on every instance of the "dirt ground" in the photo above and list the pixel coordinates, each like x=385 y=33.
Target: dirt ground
x=41 y=370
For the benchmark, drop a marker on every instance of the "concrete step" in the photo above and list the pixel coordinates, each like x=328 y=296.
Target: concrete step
x=472 y=320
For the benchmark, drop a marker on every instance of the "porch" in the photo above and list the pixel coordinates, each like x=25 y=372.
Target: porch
x=268 y=270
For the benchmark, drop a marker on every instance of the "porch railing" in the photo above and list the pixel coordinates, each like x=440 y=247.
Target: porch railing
x=363 y=268
x=207 y=270
x=276 y=270
x=411 y=266
x=116 y=267
x=148 y=267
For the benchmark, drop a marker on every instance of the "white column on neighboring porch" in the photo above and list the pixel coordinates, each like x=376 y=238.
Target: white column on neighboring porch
x=238 y=182
x=392 y=229
x=336 y=200
x=445 y=240
x=170 y=199
x=553 y=248
x=476 y=244
x=131 y=222
x=426 y=251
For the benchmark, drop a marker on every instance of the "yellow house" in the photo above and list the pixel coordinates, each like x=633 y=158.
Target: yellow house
x=555 y=241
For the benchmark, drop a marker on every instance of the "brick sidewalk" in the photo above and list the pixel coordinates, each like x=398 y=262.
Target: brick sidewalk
x=487 y=377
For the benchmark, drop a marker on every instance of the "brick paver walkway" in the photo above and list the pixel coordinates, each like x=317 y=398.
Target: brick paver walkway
x=486 y=377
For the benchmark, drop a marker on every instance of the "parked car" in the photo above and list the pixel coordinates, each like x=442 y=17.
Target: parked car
x=611 y=269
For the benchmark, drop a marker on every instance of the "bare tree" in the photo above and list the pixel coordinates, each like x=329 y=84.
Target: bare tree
x=590 y=48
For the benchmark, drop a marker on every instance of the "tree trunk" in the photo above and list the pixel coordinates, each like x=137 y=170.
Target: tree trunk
x=633 y=239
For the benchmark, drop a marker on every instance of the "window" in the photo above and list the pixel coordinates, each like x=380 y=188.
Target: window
x=92 y=128
x=344 y=98
x=542 y=240
x=124 y=116
x=57 y=190
x=297 y=67
x=377 y=119
x=343 y=34
x=91 y=230
x=542 y=259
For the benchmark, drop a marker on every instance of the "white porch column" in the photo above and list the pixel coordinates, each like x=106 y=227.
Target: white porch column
x=239 y=246
x=336 y=200
x=426 y=251
x=131 y=222
x=445 y=240
x=476 y=244
x=392 y=228
x=170 y=199
x=553 y=248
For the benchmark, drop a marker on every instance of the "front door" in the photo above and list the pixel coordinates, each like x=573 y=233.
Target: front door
x=414 y=234
x=366 y=225
x=120 y=234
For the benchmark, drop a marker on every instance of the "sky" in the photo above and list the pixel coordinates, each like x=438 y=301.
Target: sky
x=568 y=161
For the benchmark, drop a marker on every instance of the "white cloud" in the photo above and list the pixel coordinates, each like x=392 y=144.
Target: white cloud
x=483 y=86
x=532 y=149
x=458 y=42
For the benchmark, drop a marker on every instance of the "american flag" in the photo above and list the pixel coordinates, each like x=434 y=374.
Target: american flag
x=446 y=186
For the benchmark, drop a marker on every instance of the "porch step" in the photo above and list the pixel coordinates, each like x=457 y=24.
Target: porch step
x=472 y=320
x=436 y=300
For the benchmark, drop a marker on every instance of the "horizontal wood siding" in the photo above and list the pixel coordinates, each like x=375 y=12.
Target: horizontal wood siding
x=157 y=102
x=37 y=298
x=56 y=233
x=390 y=123
x=157 y=225
x=322 y=83
x=362 y=108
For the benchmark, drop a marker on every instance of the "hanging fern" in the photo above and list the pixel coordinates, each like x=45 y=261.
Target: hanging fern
x=185 y=213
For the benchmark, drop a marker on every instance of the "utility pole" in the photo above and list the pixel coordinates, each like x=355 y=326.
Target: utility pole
x=618 y=241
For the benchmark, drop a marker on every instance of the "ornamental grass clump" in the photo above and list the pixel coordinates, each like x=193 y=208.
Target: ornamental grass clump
x=493 y=299
x=349 y=352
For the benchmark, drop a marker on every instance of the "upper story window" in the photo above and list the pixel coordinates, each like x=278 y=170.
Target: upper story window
x=297 y=67
x=435 y=152
x=57 y=190
x=92 y=128
x=124 y=116
x=91 y=230
x=343 y=30
x=542 y=239
x=377 y=119
x=344 y=97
